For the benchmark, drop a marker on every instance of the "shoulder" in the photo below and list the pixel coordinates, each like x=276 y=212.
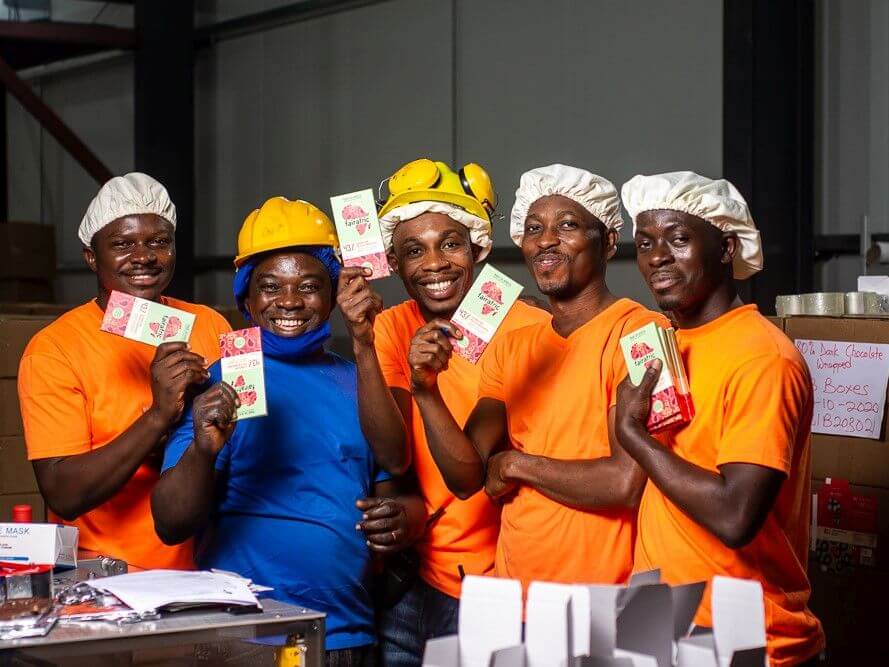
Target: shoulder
x=62 y=332
x=762 y=339
x=633 y=315
x=523 y=314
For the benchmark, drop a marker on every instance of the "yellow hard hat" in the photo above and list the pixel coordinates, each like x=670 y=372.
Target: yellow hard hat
x=281 y=223
x=470 y=188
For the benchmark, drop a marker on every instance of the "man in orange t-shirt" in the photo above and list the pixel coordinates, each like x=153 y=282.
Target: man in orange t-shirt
x=547 y=390
x=728 y=494
x=97 y=407
x=435 y=231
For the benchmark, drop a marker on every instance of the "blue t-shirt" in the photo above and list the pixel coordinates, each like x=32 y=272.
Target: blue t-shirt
x=285 y=513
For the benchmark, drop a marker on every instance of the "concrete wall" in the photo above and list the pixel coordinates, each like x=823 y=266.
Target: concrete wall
x=336 y=103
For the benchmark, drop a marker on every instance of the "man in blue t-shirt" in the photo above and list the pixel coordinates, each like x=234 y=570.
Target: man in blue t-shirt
x=293 y=500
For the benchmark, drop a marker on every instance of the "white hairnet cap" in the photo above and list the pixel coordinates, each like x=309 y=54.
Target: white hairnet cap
x=130 y=194
x=596 y=194
x=716 y=201
x=480 y=232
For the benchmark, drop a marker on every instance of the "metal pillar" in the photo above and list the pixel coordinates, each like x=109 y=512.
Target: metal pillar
x=164 y=116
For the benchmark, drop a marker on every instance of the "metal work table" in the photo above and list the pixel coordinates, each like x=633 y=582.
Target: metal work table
x=198 y=637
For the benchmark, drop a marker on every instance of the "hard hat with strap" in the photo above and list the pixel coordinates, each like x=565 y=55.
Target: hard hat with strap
x=470 y=187
x=281 y=223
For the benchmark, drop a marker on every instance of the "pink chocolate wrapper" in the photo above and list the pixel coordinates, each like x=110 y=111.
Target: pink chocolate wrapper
x=377 y=262
x=228 y=342
x=470 y=347
x=118 y=301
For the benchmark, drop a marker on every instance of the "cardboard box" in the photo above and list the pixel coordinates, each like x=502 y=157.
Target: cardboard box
x=45 y=543
x=27 y=250
x=35 y=500
x=861 y=461
x=16 y=472
x=10 y=415
x=15 y=333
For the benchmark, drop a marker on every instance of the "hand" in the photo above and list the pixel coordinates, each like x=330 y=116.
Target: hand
x=430 y=352
x=385 y=524
x=634 y=402
x=498 y=483
x=214 y=414
x=173 y=369
x=359 y=304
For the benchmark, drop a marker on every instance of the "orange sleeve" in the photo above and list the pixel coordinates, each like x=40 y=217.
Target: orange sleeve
x=391 y=353
x=490 y=381
x=764 y=402
x=53 y=405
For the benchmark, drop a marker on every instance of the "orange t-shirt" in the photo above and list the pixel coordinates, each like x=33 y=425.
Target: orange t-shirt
x=557 y=393
x=79 y=388
x=753 y=405
x=466 y=533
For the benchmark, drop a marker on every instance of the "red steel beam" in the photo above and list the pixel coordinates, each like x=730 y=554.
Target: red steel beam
x=69 y=33
x=51 y=122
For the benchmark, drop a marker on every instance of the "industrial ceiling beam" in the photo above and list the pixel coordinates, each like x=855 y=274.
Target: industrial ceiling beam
x=274 y=18
x=52 y=123
x=58 y=32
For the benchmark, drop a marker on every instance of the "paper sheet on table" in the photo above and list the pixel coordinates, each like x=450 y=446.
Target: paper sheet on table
x=156 y=589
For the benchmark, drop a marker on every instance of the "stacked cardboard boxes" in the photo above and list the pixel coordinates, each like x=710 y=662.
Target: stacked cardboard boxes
x=27 y=261
x=850 y=599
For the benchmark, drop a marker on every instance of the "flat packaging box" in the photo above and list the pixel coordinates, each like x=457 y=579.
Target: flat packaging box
x=357 y=225
x=671 y=402
x=483 y=310
x=489 y=631
x=146 y=321
x=242 y=368
x=43 y=543
x=846 y=525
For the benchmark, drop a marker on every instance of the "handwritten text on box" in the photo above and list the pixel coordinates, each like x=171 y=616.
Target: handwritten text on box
x=849 y=381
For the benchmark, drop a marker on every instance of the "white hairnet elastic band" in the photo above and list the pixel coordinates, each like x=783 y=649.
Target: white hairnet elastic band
x=596 y=194
x=480 y=231
x=716 y=201
x=132 y=194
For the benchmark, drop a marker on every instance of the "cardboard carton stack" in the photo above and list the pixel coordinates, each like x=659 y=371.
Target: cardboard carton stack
x=849 y=585
x=27 y=262
x=17 y=482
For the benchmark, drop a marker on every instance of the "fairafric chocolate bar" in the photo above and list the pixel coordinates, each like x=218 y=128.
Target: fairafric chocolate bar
x=483 y=310
x=242 y=368
x=671 y=403
x=146 y=321
x=357 y=225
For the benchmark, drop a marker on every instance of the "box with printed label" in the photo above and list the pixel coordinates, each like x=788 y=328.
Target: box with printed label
x=44 y=543
x=242 y=368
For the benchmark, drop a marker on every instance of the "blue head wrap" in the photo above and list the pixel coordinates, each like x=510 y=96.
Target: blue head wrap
x=304 y=344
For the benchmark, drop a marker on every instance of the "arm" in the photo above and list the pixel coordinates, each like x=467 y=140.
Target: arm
x=73 y=485
x=461 y=455
x=183 y=497
x=732 y=504
x=394 y=518
x=383 y=412
x=610 y=481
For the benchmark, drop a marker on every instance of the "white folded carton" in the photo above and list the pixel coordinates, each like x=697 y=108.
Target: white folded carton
x=489 y=631
x=39 y=543
x=878 y=284
x=548 y=625
x=738 y=638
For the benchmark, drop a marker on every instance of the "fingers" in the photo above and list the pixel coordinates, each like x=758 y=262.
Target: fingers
x=366 y=503
x=179 y=356
x=385 y=542
x=166 y=349
x=382 y=510
x=449 y=329
x=353 y=274
x=649 y=379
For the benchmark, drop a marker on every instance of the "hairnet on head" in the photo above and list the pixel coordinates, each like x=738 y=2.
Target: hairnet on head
x=716 y=201
x=596 y=194
x=480 y=231
x=130 y=194
x=324 y=254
